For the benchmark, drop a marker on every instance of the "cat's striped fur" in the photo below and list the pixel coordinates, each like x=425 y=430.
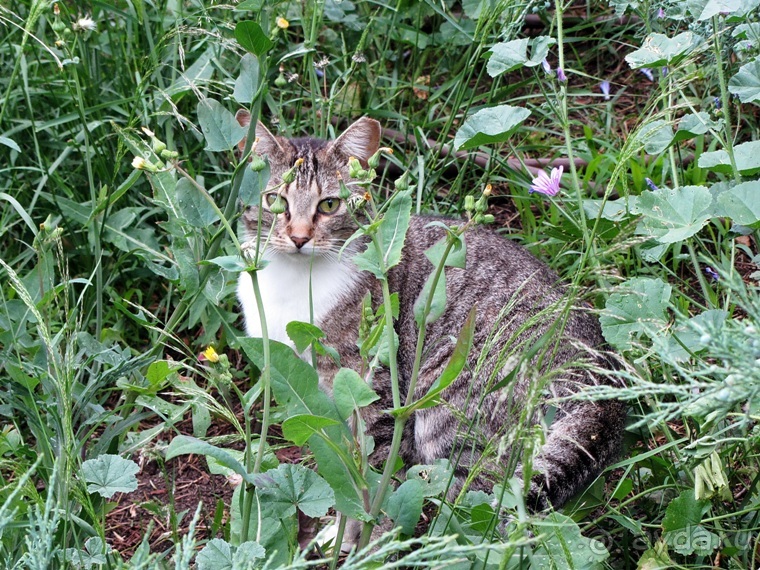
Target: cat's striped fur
x=524 y=331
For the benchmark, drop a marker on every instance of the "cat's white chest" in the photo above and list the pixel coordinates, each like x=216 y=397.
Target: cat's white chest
x=285 y=284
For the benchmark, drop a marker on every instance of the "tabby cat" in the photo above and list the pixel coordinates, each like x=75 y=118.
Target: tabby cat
x=522 y=328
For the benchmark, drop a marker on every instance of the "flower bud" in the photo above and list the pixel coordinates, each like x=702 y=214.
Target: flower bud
x=488 y=219
x=344 y=193
x=158 y=146
x=469 y=203
x=374 y=160
x=402 y=183
x=140 y=163
x=354 y=168
x=278 y=206
x=169 y=154
x=257 y=163
x=280 y=81
x=290 y=175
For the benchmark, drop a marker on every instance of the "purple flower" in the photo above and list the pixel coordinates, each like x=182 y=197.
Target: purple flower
x=652 y=185
x=546 y=66
x=716 y=100
x=604 y=87
x=647 y=73
x=660 y=13
x=545 y=184
x=561 y=75
x=712 y=274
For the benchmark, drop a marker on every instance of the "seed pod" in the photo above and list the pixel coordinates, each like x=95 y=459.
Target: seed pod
x=278 y=206
x=257 y=163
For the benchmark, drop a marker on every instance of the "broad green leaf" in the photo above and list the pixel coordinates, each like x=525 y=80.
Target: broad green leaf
x=295 y=386
x=613 y=210
x=391 y=233
x=252 y=38
x=93 y=555
x=437 y=303
x=233 y=263
x=351 y=392
x=491 y=125
x=681 y=525
x=303 y=334
x=435 y=478
x=671 y=215
x=742 y=203
x=247 y=83
x=185 y=445
x=404 y=505
x=253 y=184
x=655 y=137
x=158 y=372
x=220 y=128
x=659 y=50
x=220 y=555
x=457 y=257
x=695 y=124
x=195 y=209
x=621 y=6
x=687 y=337
x=508 y=56
x=455 y=365
x=638 y=307
x=728 y=8
x=110 y=474
x=274 y=534
x=746 y=155
x=561 y=545
x=300 y=428
x=294 y=486
x=194 y=77
x=746 y=83
x=269 y=461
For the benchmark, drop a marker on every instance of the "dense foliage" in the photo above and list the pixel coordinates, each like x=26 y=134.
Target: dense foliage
x=121 y=179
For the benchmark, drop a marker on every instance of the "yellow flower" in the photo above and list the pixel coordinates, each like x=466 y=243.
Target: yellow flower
x=210 y=354
x=282 y=23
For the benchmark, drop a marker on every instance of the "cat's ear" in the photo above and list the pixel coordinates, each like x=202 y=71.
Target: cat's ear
x=268 y=143
x=361 y=140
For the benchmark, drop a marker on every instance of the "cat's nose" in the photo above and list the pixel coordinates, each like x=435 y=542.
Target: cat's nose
x=299 y=241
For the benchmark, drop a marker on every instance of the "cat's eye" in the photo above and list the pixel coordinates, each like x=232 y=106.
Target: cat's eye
x=328 y=206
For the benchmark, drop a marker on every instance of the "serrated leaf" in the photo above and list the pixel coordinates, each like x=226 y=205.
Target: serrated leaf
x=110 y=474
x=404 y=505
x=695 y=124
x=681 y=525
x=435 y=478
x=351 y=392
x=220 y=128
x=671 y=215
x=637 y=308
x=655 y=136
x=233 y=263
x=303 y=334
x=746 y=83
x=220 y=555
x=731 y=8
x=659 y=50
x=195 y=209
x=561 y=545
x=491 y=125
x=746 y=155
x=293 y=486
x=741 y=203
x=508 y=56
x=686 y=338
x=247 y=82
x=300 y=428
x=252 y=38
x=392 y=233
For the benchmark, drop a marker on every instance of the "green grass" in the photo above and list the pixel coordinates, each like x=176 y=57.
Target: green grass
x=105 y=304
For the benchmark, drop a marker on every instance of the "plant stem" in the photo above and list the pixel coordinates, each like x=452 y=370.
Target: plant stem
x=725 y=101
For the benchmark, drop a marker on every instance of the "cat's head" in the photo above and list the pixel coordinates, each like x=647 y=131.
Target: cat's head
x=316 y=221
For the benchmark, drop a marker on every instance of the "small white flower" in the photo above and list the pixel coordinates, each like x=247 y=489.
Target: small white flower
x=85 y=24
